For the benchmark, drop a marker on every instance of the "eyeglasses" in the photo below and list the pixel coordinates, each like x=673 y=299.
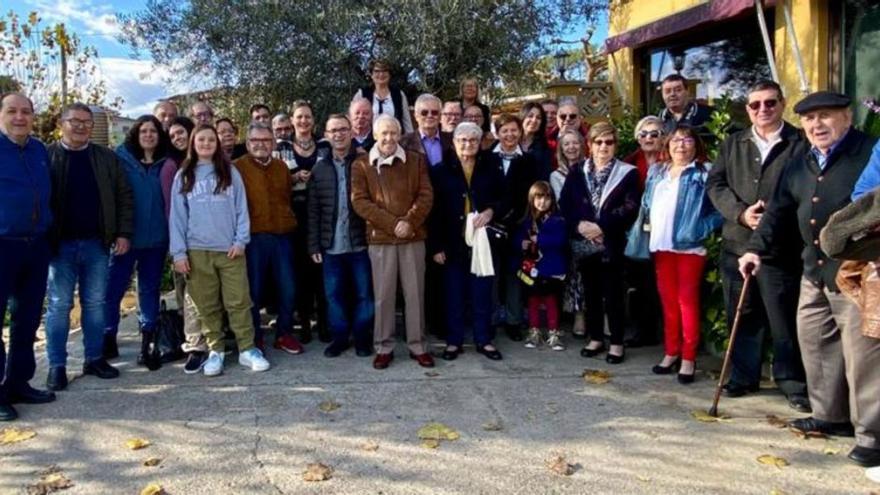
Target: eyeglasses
x=463 y=140
x=340 y=130
x=606 y=142
x=425 y=113
x=567 y=116
x=88 y=124
x=261 y=141
x=651 y=134
x=204 y=115
x=450 y=114
x=688 y=141
x=768 y=104
x=284 y=129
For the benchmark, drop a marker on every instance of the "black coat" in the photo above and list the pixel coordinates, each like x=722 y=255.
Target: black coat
x=323 y=205
x=739 y=179
x=617 y=213
x=447 y=221
x=520 y=176
x=808 y=196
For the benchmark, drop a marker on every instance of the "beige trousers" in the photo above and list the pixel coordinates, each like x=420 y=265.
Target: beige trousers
x=406 y=262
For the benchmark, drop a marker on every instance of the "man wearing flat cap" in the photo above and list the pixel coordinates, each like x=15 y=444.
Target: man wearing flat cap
x=842 y=365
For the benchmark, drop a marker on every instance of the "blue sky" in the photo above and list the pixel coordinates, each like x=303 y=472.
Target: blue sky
x=136 y=81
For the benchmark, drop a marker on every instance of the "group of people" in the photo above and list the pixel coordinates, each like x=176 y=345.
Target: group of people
x=479 y=223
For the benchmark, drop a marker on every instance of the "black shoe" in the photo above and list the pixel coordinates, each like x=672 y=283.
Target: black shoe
x=800 y=403
x=324 y=334
x=685 y=379
x=57 y=378
x=335 y=350
x=734 y=390
x=7 y=412
x=865 y=456
x=363 y=351
x=304 y=335
x=614 y=358
x=195 y=360
x=588 y=353
x=101 y=369
x=111 y=350
x=30 y=395
x=494 y=355
x=451 y=355
x=665 y=370
x=844 y=429
x=514 y=332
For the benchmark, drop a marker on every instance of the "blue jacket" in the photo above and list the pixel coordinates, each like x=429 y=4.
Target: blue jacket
x=150 y=222
x=870 y=177
x=25 y=188
x=695 y=217
x=552 y=244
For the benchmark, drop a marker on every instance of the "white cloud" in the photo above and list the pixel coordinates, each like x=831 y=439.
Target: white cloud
x=138 y=82
x=98 y=20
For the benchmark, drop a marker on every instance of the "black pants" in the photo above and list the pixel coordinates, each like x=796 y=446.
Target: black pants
x=310 y=297
x=643 y=309
x=603 y=296
x=770 y=305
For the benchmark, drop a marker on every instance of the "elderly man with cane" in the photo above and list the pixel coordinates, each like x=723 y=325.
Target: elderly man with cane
x=841 y=363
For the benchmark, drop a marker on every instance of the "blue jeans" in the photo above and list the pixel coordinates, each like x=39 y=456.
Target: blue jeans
x=24 y=266
x=462 y=286
x=269 y=259
x=83 y=261
x=349 y=288
x=150 y=264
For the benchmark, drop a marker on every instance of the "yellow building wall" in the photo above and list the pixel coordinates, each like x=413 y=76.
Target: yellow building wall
x=809 y=17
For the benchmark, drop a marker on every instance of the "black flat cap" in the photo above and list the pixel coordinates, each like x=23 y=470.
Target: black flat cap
x=822 y=99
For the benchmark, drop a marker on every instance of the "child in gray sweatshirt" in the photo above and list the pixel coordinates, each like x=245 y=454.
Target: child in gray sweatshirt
x=209 y=229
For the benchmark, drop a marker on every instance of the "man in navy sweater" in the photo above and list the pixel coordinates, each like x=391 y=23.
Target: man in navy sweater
x=24 y=249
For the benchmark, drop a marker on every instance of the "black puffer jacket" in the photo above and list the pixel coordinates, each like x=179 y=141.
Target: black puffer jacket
x=323 y=209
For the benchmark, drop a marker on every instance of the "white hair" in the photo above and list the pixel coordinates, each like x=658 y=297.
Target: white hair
x=650 y=119
x=357 y=100
x=425 y=98
x=386 y=119
x=467 y=129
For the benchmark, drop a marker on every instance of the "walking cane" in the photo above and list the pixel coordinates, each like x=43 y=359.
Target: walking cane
x=742 y=297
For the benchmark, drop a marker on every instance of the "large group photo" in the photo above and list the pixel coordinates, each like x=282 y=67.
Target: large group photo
x=656 y=275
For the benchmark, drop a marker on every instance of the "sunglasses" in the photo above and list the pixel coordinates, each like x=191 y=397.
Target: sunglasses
x=606 y=142
x=567 y=116
x=651 y=134
x=686 y=141
x=425 y=113
x=768 y=104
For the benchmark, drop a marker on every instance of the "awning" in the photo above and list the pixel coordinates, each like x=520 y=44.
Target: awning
x=699 y=16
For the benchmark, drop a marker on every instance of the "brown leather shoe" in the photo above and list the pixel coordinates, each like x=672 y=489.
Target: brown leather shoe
x=382 y=361
x=425 y=360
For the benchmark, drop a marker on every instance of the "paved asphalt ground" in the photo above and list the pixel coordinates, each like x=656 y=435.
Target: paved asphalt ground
x=244 y=432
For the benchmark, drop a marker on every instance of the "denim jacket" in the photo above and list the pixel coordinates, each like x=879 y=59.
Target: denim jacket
x=695 y=217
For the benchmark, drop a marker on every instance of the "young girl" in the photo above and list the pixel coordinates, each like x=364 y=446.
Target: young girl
x=209 y=230
x=542 y=237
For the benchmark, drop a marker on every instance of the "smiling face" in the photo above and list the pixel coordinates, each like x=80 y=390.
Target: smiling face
x=532 y=121
x=826 y=126
x=303 y=122
x=260 y=144
x=166 y=112
x=650 y=137
x=469 y=90
x=227 y=134
x=361 y=115
x=428 y=116
x=387 y=135
x=380 y=76
x=572 y=149
x=473 y=114
x=179 y=136
x=261 y=115
x=675 y=95
x=765 y=108
x=205 y=144
x=76 y=128
x=550 y=110
x=568 y=118
x=282 y=128
x=602 y=148
x=148 y=136
x=450 y=116
x=467 y=145
x=542 y=202
x=509 y=135
x=16 y=117
x=338 y=132
x=202 y=113
x=682 y=148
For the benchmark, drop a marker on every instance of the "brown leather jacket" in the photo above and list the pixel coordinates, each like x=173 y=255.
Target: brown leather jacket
x=860 y=281
x=388 y=193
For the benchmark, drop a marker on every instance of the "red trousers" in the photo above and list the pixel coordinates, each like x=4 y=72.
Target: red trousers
x=678 y=281
x=551 y=305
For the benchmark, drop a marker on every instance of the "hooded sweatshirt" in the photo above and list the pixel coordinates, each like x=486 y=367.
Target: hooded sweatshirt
x=206 y=221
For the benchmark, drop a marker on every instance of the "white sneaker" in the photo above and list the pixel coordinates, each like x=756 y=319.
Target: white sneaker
x=873 y=474
x=253 y=359
x=214 y=365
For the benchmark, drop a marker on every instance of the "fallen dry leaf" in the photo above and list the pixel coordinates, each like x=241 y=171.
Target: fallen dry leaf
x=430 y=443
x=776 y=421
x=596 y=377
x=560 y=466
x=317 y=472
x=642 y=478
x=152 y=462
x=772 y=460
x=15 y=435
x=437 y=431
x=51 y=480
x=432 y=374
x=370 y=446
x=137 y=443
x=777 y=491
x=831 y=450
x=493 y=426
x=806 y=435
x=704 y=417
x=329 y=406
x=153 y=489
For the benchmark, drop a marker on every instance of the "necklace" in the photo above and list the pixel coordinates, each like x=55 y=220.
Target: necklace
x=305 y=145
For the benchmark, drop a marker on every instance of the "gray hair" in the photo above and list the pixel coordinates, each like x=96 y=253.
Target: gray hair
x=650 y=119
x=426 y=98
x=567 y=101
x=75 y=107
x=386 y=118
x=357 y=100
x=257 y=126
x=467 y=129
x=279 y=117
